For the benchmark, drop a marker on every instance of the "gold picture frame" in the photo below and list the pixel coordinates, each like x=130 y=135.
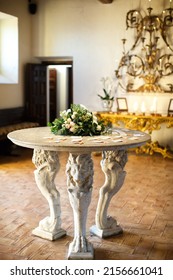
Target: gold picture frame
x=170 y=107
x=122 y=104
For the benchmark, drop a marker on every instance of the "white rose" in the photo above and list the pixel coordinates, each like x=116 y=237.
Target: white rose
x=63 y=113
x=72 y=129
x=72 y=124
x=89 y=114
x=74 y=115
x=99 y=127
x=67 y=126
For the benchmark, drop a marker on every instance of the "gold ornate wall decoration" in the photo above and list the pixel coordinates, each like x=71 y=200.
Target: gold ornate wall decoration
x=148 y=66
x=142 y=123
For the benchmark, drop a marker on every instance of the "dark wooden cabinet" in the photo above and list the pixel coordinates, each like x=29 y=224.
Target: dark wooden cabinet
x=41 y=92
x=52 y=94
x=35 y=92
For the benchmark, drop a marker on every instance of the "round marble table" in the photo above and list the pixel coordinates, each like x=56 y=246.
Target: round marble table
x=79 y=171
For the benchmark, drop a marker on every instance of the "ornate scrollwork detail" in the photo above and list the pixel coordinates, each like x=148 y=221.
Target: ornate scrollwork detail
x=142 y=123
x=154 y=147
x=170 y=123
x=145 y=70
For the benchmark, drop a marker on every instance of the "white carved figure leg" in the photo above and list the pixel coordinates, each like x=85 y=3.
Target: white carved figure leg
x=79 y=182
x=112 y=164
x=47 y=164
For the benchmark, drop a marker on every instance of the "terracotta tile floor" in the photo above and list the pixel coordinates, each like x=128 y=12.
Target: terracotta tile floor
x=143 y=207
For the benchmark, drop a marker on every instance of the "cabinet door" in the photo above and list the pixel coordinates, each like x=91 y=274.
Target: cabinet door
x=52 y=94
x=35 y=90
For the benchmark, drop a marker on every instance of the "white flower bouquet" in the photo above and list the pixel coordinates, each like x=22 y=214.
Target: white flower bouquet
x=77 y=120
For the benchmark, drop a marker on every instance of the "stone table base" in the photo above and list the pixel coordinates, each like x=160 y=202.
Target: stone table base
x=103 y=233
x=49 y=235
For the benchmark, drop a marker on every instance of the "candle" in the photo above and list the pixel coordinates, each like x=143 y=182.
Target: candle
x=135 y=107
x=143 y=108
x=153 y=108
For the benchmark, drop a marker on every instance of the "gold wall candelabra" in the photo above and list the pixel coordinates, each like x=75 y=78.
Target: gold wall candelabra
x=146 y=66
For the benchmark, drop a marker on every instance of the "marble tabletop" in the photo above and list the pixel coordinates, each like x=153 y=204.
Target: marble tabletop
x=42 y=137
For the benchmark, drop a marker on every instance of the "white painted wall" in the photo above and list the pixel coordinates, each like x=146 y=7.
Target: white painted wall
x=91 y=33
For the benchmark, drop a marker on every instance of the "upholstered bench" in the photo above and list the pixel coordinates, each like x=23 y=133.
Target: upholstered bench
x=4 y=130
x=12 y=119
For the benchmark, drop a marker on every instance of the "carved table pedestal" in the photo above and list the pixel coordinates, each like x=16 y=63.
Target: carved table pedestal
x=79 y=171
